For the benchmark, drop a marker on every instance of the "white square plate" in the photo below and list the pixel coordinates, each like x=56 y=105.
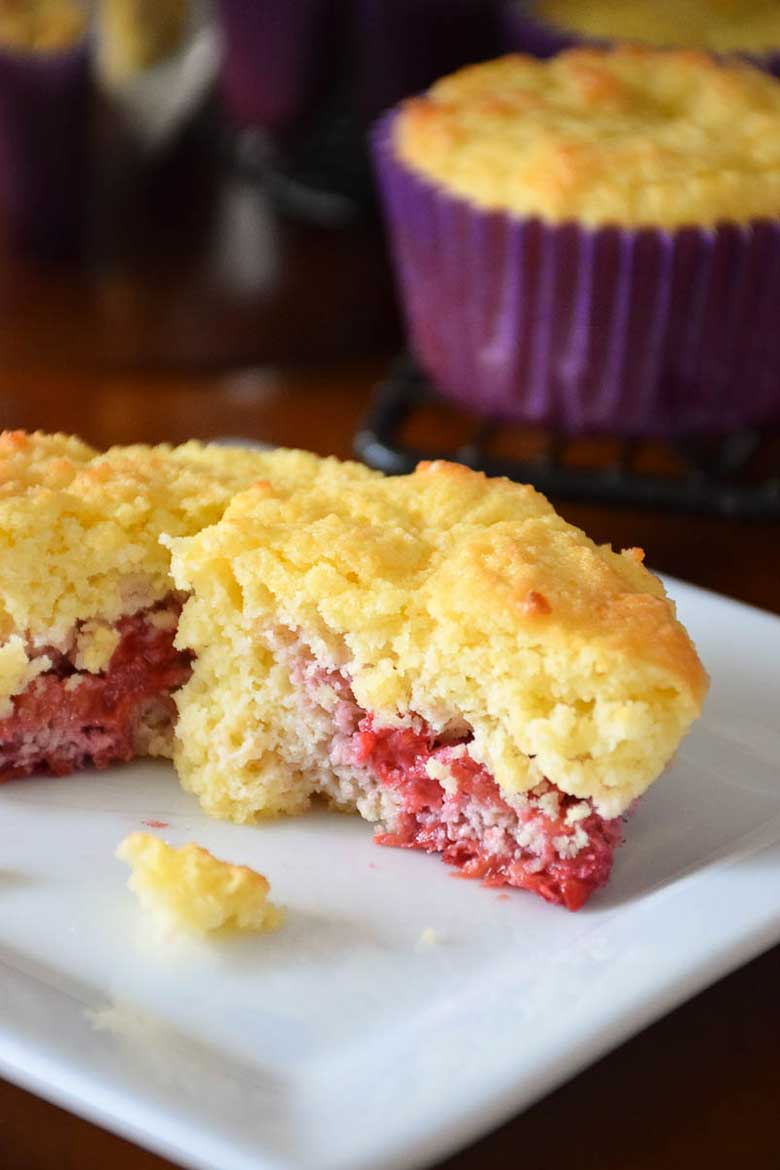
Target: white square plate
x=345 y=1040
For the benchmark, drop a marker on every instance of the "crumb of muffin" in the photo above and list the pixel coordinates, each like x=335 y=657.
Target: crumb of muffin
x=190 y=889
x=428 y=939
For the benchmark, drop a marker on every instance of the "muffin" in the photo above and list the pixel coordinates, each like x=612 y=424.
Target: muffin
x=747 y=27
x=440 y=652
x=592 y=242
x=44 y=107
x=136 y=34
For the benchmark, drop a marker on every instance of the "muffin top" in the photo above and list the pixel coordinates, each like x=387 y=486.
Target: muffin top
x=40 y=25
x=720 y=25
x=630 y=136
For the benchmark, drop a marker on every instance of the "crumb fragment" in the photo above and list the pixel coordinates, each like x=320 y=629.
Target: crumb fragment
x=192 y=890
x=428 y=938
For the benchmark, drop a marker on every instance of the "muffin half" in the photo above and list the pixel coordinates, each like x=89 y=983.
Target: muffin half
x=441 y=652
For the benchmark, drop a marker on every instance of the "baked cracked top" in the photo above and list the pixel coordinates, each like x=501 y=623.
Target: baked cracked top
x=632 y=136
x=464 y=600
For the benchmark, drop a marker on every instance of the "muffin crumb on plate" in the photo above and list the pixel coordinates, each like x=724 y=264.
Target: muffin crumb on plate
x=190 y=889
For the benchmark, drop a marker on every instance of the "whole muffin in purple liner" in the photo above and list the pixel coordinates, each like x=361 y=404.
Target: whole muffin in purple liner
x=563 y=320
x=527 y=27
x=44 y=163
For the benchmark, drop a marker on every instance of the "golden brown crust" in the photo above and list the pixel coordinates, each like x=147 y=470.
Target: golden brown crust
x=633 y=136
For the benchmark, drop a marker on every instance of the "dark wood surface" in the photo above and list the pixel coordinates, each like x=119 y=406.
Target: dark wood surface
x=198 y=313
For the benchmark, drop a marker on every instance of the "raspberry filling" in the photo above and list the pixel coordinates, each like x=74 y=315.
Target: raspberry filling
x=66 y=719
x=428 y=793
x=533 y=844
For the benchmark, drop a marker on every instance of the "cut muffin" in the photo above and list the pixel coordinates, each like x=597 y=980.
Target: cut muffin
x=441 y=652
x=88 y=611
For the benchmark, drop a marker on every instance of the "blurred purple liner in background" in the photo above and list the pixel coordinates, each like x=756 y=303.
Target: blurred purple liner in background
x=280 y=55
x=44 y=128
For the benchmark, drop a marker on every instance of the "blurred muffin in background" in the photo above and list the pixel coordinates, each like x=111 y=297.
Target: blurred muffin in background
x=136 y=34
x=593 y=242
x=43 y=26
x=746 y=27
x=44 y=117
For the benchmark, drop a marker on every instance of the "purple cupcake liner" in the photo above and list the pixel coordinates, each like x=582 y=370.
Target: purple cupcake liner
x=44 y=127
x=637 y=332
x=525 y=32
x=279 y=55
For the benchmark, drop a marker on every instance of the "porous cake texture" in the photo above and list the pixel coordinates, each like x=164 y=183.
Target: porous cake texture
x=440 y=651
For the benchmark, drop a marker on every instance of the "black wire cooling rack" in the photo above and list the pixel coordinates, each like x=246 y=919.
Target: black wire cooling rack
x=736 y=475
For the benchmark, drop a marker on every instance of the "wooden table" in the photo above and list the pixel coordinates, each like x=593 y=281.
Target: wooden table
x=198 y=314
